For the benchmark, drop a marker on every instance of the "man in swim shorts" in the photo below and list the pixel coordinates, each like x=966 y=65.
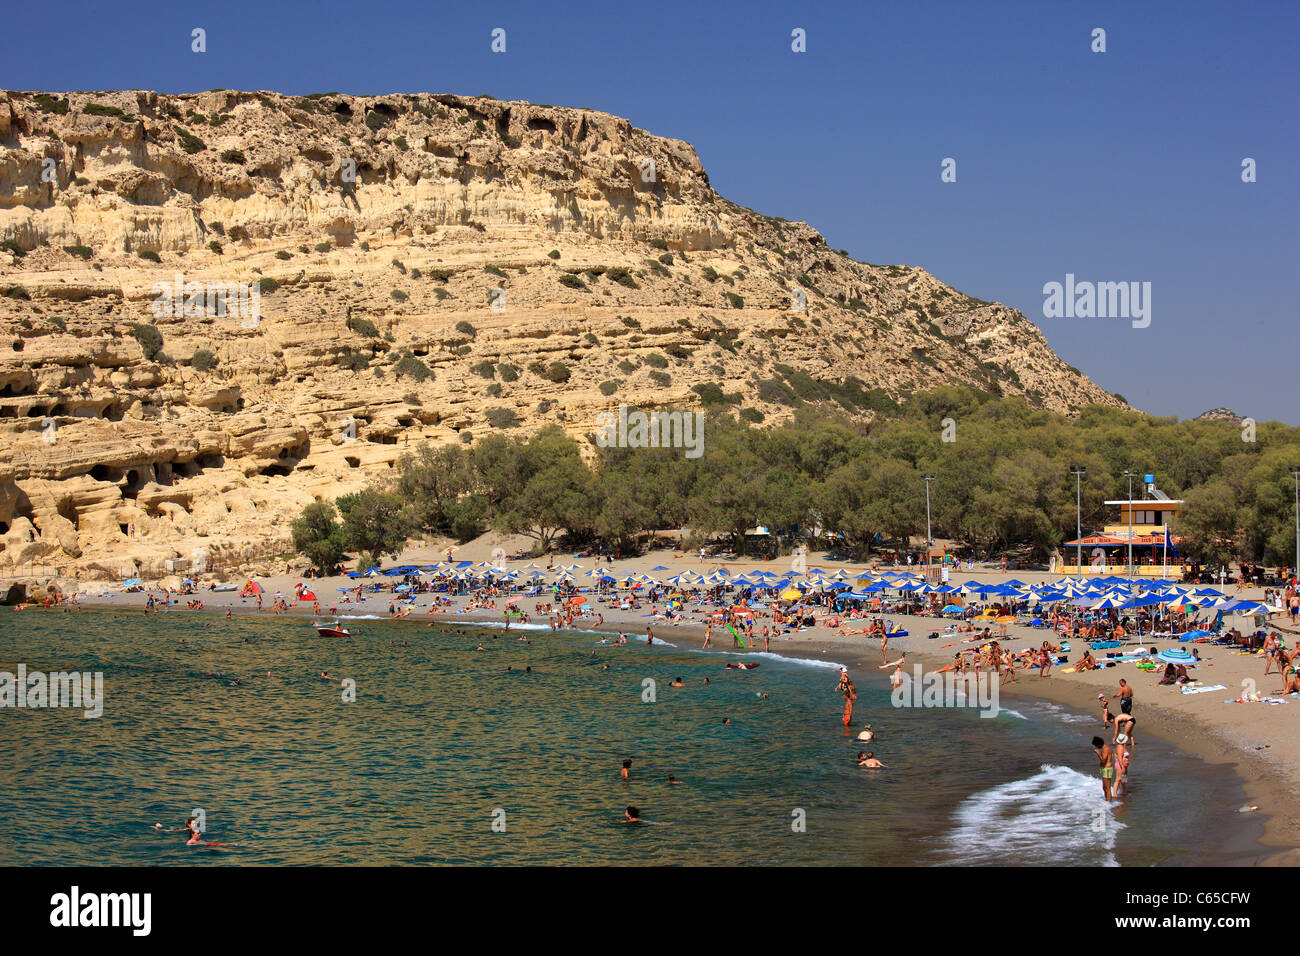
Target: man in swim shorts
x=1125 y=696
x=1107 y=769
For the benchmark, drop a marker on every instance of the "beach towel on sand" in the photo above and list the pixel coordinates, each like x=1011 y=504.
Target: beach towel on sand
x=1202 y=690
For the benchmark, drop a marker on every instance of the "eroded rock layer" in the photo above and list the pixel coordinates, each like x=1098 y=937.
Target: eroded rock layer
x=376 y=271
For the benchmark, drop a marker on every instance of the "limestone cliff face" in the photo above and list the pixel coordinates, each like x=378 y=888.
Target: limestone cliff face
x=426 y=267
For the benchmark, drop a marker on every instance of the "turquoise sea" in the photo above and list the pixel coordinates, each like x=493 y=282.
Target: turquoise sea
x=445 y=756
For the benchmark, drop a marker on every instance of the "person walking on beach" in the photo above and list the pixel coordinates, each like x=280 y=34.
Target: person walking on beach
x=1125 y=697
x=708 y=635
x=1107 y=769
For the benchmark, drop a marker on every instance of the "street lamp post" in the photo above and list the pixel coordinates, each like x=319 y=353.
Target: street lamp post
x=928 y=478
x=1078 y=473
x=1295 y=569
x=1130 y=475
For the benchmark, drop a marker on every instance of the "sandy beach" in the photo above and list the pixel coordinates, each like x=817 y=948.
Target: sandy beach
x=1254 y=740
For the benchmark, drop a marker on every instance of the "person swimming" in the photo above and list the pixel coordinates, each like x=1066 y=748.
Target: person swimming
x=867 y=734
x=868 y=761
x=633 y=815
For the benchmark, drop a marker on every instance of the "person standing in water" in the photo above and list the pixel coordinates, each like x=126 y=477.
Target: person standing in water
x=846 y=688
x=1107 y=769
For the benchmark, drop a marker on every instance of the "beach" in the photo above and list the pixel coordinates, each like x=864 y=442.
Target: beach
x=1256 y=741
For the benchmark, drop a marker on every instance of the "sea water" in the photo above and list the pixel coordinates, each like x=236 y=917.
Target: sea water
x=446 y=756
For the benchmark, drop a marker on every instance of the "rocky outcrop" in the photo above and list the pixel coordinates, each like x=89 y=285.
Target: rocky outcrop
x=216 y=308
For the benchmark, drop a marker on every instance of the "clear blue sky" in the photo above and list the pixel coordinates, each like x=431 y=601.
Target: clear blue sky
x=1115 y=166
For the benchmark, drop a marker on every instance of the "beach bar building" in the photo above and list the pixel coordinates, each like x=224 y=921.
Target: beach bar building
x=1144 y=522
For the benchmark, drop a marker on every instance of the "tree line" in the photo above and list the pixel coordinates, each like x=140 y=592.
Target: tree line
x=1002 y=480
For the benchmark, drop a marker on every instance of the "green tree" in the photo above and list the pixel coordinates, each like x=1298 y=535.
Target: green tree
x=373 y=524
x=318 y=537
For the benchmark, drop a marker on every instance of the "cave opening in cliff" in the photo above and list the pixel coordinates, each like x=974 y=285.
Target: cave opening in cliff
x=352 y=462
x=134 y=482
x=106 y=473
x=211 y=461
x=276 y=471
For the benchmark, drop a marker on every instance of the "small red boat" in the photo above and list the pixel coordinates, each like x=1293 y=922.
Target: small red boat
x=332 y=629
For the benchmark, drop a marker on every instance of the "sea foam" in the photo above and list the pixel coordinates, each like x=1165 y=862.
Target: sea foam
x=1057 y=817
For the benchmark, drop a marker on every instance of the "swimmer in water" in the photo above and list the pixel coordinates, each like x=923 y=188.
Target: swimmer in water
x=868 y=761
x=325 y=675
x=677 y=682
x=633 y=815
x=627 y=769
x=672 y=779
x=867 y=734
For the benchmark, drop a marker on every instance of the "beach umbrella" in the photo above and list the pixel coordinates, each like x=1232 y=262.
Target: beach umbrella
x=790 y=594
x=1195 y=635
x=306 y=594
x=1249 y=609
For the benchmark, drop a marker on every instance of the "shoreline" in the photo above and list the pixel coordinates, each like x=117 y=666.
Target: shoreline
x=1266 y=778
